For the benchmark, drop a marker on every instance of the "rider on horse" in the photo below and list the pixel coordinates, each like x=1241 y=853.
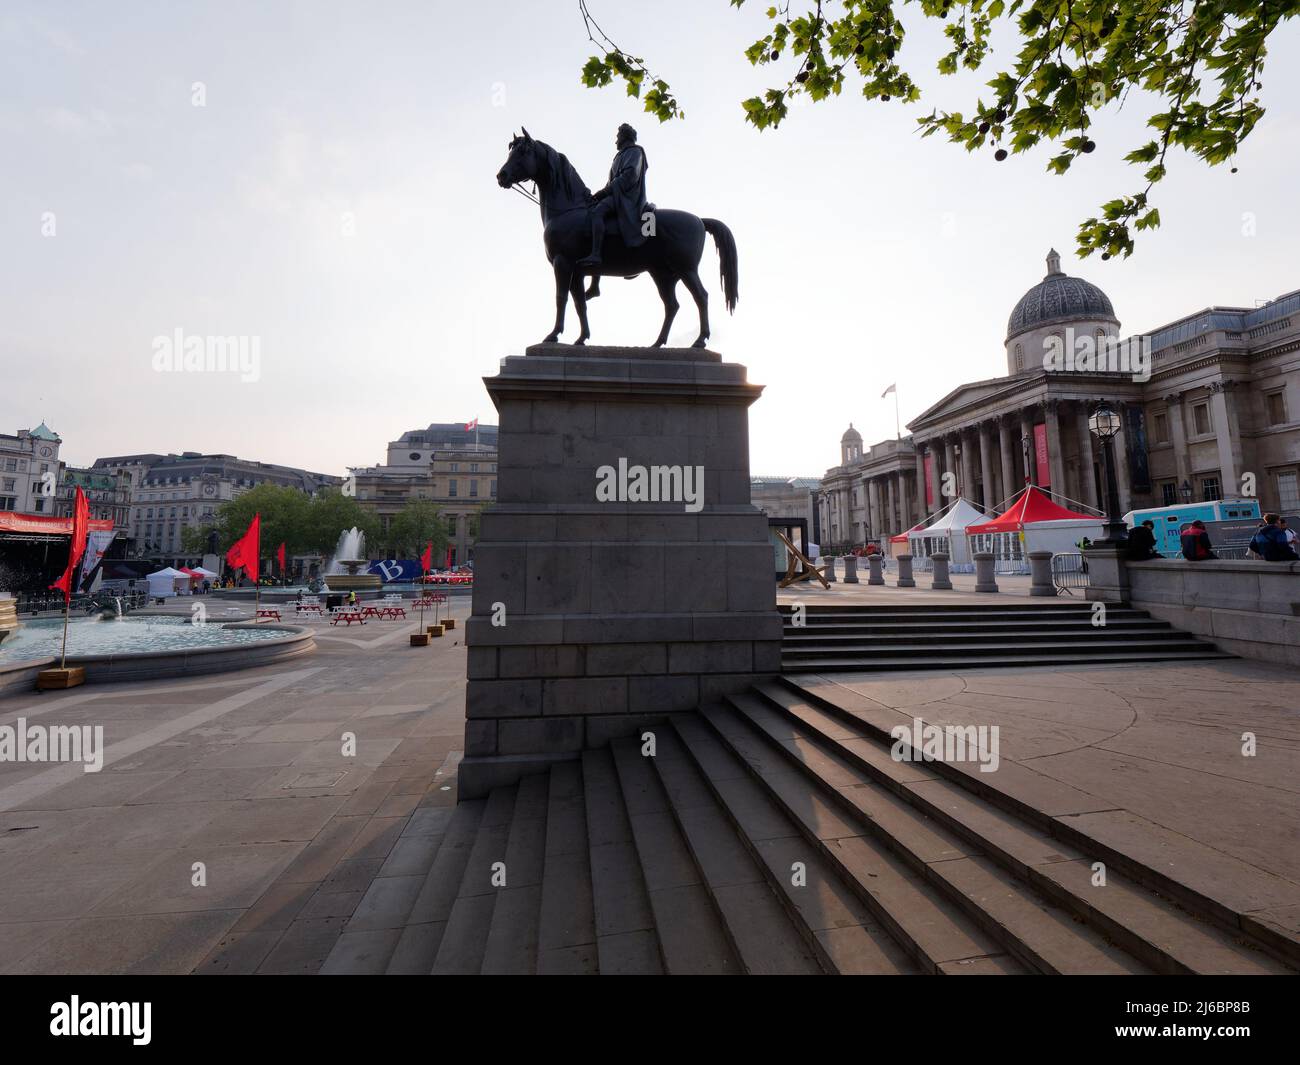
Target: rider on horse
x=623 y=199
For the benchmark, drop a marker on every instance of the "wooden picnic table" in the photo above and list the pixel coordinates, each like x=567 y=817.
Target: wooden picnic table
x=268 y=612
x=348 y=614
x=392 y=610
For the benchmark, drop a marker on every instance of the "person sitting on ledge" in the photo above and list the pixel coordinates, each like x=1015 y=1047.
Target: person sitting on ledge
x=1142 y=543
x=1270 y=541
x=1196 y=542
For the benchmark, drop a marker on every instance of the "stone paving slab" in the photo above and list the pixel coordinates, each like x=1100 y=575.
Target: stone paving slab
x=303 y=846
x=1144 y=759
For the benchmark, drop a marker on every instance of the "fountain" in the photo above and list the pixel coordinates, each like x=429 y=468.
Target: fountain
x=342 y=574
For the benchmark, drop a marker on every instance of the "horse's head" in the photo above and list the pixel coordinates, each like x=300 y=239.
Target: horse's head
x=523 y=163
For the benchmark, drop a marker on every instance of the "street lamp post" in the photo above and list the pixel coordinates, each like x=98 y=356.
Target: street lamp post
x=1104 y=424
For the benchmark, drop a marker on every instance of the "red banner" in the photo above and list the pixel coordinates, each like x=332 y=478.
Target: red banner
x=426 y=559
x=1041 y=460
x=279 y=556
x=80 y=528
x=245 y=551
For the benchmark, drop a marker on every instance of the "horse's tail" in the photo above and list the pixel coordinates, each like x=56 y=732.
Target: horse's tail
x=729 y=264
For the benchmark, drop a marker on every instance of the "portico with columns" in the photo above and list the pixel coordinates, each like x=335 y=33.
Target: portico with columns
x=1214 y=411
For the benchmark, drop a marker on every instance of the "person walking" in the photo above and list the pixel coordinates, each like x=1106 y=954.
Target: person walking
x=1195 y=542
x=1270 y=541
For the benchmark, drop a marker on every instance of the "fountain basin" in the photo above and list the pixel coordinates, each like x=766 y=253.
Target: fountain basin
x=148 y=648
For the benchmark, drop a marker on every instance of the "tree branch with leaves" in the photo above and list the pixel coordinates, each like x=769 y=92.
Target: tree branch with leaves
x=1201 y=62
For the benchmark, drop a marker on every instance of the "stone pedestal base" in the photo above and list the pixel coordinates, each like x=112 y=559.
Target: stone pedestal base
x=595 y=616
x=1107 y=574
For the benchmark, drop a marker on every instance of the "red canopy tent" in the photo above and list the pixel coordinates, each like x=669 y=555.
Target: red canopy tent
x=1031 y=505
x=1033 y=522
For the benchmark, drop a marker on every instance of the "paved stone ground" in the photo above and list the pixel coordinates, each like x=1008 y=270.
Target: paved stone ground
x=309 y=854
x=245 y=773
x=1010 y=586
x=1161 y=742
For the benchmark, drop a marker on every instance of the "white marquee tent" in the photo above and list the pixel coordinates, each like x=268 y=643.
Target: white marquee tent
x=947 y=533
x=168 y=582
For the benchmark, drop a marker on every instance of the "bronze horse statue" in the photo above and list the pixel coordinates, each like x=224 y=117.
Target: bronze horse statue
x=670 y=255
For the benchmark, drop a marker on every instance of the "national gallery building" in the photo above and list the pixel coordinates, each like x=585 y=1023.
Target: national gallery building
x=1205 y=402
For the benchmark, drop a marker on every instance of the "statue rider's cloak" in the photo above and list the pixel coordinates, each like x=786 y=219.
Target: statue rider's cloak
x=626 y=189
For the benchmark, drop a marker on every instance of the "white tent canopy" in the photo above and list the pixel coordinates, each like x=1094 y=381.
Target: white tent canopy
x=168 y=582
x=947 y=533
x=203 y=572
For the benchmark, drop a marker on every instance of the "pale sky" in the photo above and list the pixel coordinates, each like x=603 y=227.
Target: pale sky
x=867 y=255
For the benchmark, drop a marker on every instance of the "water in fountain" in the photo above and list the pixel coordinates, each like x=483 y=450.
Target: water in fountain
x=352 y=542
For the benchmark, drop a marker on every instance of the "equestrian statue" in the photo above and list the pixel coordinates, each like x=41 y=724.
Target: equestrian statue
x=616 y=232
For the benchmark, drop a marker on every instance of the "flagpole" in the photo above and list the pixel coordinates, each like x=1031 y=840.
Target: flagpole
x=898 y=432
x=63 y=655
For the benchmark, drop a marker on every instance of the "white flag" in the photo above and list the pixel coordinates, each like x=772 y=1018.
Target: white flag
x=891 y=388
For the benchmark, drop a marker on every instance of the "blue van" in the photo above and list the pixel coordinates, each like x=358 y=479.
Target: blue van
x=1169 y=521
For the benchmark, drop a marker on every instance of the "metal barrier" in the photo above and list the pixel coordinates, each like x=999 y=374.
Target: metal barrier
x=1069 y=570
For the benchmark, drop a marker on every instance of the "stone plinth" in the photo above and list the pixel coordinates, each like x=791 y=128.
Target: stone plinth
x=593 y=616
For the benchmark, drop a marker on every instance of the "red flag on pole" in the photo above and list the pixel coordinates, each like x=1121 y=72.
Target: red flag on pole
x=279 y=557
x=80 y=527
x=245 y=551
x=471 y=425
x=426 y=559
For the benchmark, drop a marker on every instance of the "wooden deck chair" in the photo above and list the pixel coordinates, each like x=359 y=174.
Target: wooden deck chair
x=809 y=571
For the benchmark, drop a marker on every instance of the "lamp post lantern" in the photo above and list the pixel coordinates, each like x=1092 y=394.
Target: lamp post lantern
x=1104 y=424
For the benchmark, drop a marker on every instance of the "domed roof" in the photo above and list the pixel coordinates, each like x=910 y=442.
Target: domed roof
x=1059 y=297
x=851 y=435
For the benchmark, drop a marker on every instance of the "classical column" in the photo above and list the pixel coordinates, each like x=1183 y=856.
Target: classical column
x=1224 y=410
x=1121 y=461
x=1009 y=483
x=1028 y=467
x=1178 y=438
x=986 y=465
x=904 y=503
x=949 y=462
x=874 y=488
x=921 y=503
x=967 y=464
x=887 y=526
x=1087 y=464
x=1055 y=460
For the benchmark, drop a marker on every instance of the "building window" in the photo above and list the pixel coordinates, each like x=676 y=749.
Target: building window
x=1288 y=492
x=1201 y=420
x=1275 y=404
x=1169 y=494
x=1160 y=427
x=493 y=490
x=455 y=467
x=1210 y=489
x=451 y=524
x=451 y=488
x=473 y=467
x=473 y=489
x=40 y=506
x=11 y=484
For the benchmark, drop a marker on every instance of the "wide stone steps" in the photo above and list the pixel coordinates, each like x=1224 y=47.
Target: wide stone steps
x=849 y=639
x=947 y=904
x=849 y=753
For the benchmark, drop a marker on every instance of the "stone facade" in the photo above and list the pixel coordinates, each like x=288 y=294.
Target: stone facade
x=592 y=617
x=170 y=493
x=26 y=461
x=1219 y=399
x=449 y=464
